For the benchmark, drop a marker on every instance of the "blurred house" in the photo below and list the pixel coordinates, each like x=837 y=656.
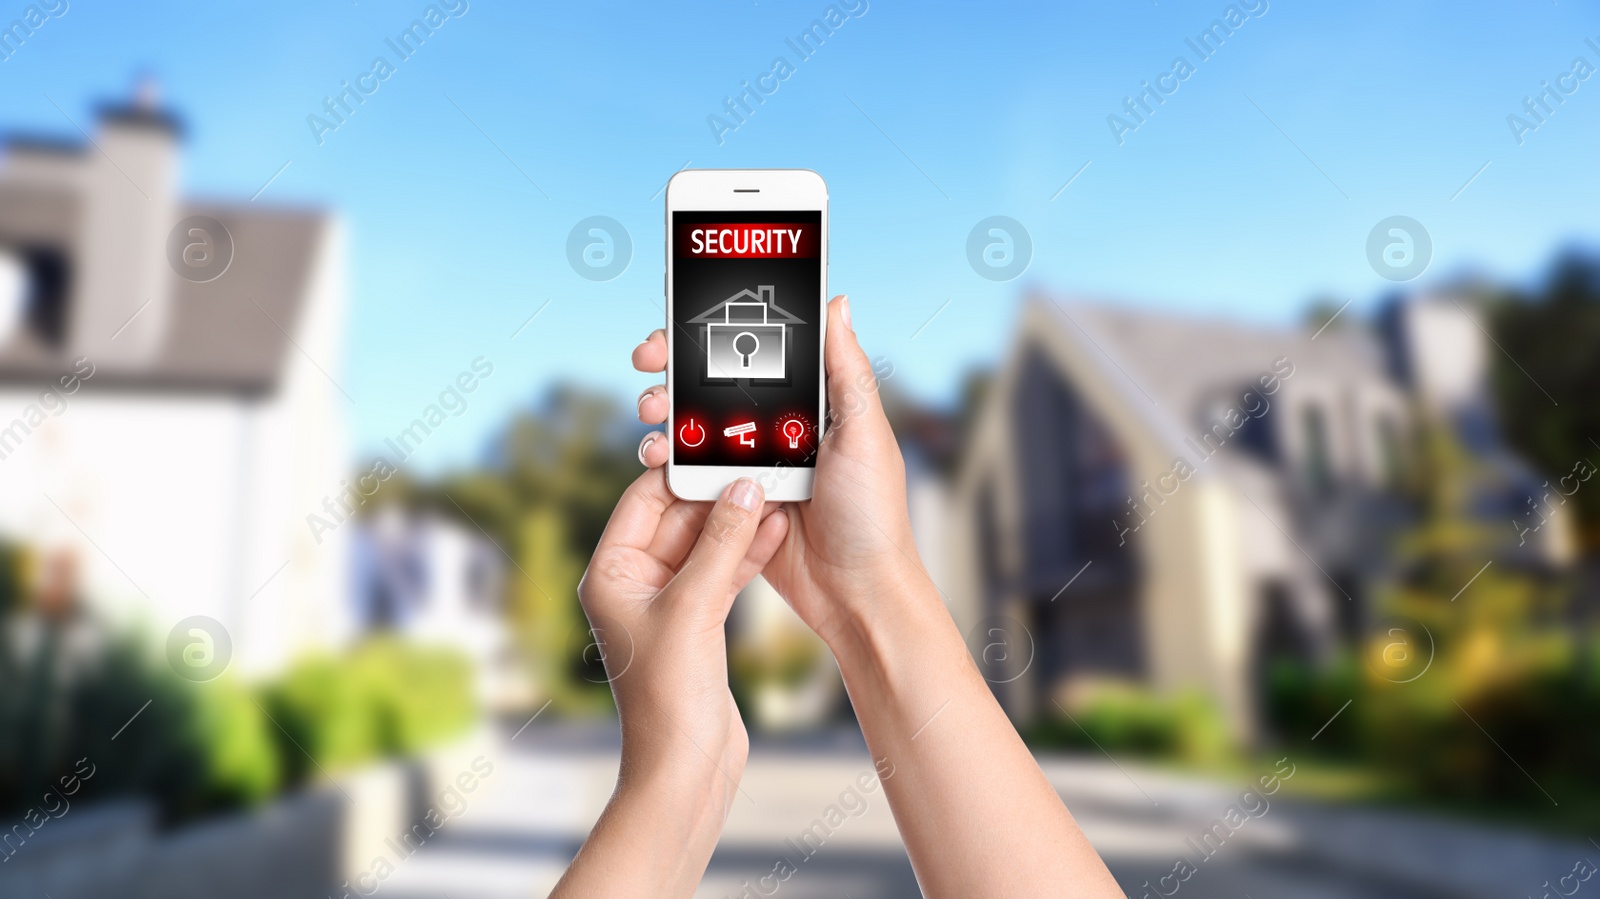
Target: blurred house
x=792 y=679
x=1174 y=501
x=164 y=437
x=434 y=581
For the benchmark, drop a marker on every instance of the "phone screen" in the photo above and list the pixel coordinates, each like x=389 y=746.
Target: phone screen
x=747 y=329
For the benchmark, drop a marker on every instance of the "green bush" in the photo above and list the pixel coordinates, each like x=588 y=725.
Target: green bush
x=1130 y=719
x=14 y=562
x=193 y=748
x=201 y=747
x=1529 y=702
x=1299 y=697
x=387 y=697
x=1501 y=685
x=242 y=765
x=423 y=694
x=321 y=712
x=1497 y=698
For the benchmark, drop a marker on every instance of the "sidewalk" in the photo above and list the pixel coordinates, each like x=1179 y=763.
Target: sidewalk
x=550 y=784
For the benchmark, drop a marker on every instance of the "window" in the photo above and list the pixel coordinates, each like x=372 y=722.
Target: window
x=1390 y=452
x=1319 y=473
x=1257 y=437
x=1076 y=473
x=36 y=279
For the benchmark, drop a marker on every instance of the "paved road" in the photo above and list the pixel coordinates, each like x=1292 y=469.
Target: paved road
x=548 y=786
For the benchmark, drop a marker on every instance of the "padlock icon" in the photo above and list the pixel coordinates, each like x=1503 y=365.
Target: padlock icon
x=747 y=336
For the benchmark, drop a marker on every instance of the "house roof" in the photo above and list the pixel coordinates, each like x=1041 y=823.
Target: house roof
x=31 y=142
x=1184 y=364
x=782 y=315
x=141 y=115
x=1176 y=374
x=227 y=335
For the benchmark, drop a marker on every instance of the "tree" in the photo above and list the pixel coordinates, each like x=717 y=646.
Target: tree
x=1546 y=381
x=543 y=495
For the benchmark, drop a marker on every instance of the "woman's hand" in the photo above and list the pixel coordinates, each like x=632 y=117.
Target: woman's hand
x=657 y=593
x=849 y=549
x=977 y=815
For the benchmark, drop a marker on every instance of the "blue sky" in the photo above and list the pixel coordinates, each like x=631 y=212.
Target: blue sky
x=1249 y=191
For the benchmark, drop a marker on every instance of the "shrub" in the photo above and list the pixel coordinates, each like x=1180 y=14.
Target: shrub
x=387 y=697
x=1132 y=719
x=53 y=714
x=1508 y=691
x=1503 y=683
x=201 y=747
x=242 y=766
x=1299 y=697
x=422 y=695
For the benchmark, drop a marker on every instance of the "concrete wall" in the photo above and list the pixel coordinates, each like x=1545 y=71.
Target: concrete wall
x=289 y=849
x=307 y=845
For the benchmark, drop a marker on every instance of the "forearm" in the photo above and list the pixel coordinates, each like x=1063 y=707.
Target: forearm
x=977 y=815
x=655 y=838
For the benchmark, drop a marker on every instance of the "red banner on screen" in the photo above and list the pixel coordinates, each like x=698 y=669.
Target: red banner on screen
x=748 y=240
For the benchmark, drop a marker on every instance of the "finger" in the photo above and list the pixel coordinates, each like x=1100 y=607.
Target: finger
x=651 y=355
x=728 y=535
x=681 y=526
x=633 y=523
x=653 y=405
x=852 y=384
x=653 y=450
x=769 y=537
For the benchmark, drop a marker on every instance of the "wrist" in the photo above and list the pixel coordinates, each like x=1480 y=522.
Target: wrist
x=696 y=773
x=652 y=839
x=685 y=805
x=892 y=625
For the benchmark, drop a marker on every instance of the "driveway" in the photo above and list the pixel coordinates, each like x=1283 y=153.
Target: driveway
x=552 y=781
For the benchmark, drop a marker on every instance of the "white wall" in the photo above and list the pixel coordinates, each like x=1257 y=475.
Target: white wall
x=1448 y=353
x=177 y=506
x=154 y=484
x=299 y=455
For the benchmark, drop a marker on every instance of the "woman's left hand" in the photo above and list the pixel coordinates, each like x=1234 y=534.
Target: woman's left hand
x=657 y=593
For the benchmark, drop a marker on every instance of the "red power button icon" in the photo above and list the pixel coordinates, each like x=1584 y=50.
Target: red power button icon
x=692 y=434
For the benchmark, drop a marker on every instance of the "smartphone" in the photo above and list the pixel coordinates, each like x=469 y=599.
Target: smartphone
x=747 y=279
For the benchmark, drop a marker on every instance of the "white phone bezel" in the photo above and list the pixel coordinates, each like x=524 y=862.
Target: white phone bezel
x=730 y=190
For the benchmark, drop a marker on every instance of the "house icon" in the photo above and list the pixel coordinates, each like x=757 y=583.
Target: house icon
x=746 y=336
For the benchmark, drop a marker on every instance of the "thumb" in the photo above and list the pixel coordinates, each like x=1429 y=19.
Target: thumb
x=852 y=383
x=726 y=538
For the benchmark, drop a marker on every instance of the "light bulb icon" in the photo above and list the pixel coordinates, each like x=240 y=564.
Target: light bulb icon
x=794 y=430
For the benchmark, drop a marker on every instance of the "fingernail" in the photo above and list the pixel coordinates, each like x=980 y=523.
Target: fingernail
x=645 y=445
x=746 y=494
x=844 y=312
x=644 y=396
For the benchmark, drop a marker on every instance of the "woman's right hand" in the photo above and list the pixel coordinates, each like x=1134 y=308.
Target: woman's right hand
x=849 y=549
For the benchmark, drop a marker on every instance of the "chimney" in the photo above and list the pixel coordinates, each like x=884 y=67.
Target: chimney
x=764 y=292
x=129 y=185
x=1442 y=353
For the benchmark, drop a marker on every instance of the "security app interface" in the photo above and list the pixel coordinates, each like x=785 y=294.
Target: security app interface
x=747 y=330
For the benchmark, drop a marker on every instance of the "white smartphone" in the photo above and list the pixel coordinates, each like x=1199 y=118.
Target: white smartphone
x=747 y=293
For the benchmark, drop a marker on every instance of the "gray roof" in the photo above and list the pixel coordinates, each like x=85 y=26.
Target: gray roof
x=226 y=335
x=1185 y=364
